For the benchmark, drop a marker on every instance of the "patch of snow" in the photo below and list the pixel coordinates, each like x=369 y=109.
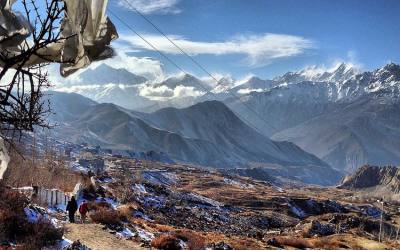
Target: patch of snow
x=62 y=244
x=144 y=235
x=182 y=244
x=126 y=233
x=139 y=214
x=75 y=166
x=105 y=180
x=65 y=243
x=371 y=211
x=154 y=201
x=32 y=215
x=279 y=189
x=238 y=184
x=140 y=188
x=297 y=211
x=201 y=200
x=113 y=203
x=160 y=177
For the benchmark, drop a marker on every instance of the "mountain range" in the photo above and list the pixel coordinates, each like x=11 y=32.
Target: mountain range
x=348 y=120
x=344 y=116
x=193 y=135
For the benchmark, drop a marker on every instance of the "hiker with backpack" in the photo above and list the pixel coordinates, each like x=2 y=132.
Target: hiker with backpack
x=83 y=210
x=72 y=206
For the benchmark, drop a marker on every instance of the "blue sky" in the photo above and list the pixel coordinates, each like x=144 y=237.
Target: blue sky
x=257 y=37
x=365 y=32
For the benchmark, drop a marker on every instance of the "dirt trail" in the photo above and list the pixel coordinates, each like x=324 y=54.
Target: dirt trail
x=93 y=236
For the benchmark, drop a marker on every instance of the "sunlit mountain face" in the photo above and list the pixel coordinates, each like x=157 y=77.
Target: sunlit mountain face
x=343 y=115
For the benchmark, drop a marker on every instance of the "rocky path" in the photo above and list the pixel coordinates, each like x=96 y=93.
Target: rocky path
x=94 y=237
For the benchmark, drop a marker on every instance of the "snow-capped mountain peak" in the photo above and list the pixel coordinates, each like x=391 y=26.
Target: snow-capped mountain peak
x=340 y=72
x=224 y=84
x=105 y=74
x=185 y=80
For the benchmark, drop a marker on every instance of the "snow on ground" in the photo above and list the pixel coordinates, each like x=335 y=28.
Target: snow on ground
x=139 y=188
x=372 y=211
x=201 y=200
x=140 y=214
x=105 y=180
x=62 y=244
x=297 y=211
x=32 y=215
x=160 y=177
x=238 y=184
x=182 y=244
x=144 y=235
x=156 y=202
x=75 y=166
x=126 y=233
x=113 y=203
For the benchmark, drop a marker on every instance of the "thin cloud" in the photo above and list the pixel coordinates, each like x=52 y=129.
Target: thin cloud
x=152 y=6
x=165 y=93
x=257 y=49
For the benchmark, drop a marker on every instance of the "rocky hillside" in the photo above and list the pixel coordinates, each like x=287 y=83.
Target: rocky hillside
x=373 y=177
x=365 y=131
x=137 y=204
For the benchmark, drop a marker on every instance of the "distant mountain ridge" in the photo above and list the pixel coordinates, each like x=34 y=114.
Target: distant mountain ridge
x=374 y=178
x=346 y=117
x=207 y=134
x=347 y=123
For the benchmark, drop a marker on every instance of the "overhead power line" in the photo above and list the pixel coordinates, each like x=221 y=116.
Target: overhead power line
x=192 y=59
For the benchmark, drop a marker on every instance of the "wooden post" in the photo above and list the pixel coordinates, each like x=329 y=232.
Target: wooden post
x=380 y=226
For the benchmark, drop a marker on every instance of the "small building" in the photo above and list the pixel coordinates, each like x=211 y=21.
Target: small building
x=95 y=164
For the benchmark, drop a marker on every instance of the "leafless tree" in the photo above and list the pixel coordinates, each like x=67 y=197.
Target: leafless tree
x=22 y=106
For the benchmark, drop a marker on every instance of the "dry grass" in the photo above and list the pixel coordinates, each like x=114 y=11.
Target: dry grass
x=95 y=206
x=25 y=172
x=14 y=225
x=166 y=242
x=329 y=244
x=293 y=242
x=107 y=217
x=193 y=240
x=163 y=228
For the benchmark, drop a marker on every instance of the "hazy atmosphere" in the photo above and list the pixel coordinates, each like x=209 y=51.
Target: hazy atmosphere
x=199 y=125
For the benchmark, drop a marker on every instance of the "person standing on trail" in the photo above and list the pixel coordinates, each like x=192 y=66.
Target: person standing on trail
x=72 y=206
x=83 y=209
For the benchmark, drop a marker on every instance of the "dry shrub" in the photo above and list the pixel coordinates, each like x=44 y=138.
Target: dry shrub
x=166 y=242
x=25 y=172
x=163 y=228
x=293 y=242
x=107 y=217
x=193 y=240
x=43 y=234
x=126 y=210
x=329 y=244
x=95 y=206
x=14 y=225
x=13 y=222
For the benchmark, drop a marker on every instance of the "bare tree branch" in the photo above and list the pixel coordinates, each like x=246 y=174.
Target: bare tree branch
x=22 y=106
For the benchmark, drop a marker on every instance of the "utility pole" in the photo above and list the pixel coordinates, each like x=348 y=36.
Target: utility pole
x=381 y=223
